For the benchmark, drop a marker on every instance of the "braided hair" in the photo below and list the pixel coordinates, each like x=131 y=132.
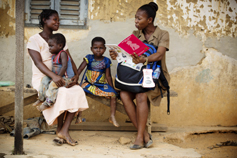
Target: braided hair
x=45 y=14
x=150 y=9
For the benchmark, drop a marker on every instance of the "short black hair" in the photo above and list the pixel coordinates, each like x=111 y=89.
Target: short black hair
x=150 y=9
x=45 y=14
x=59 y=39
x=97 y=39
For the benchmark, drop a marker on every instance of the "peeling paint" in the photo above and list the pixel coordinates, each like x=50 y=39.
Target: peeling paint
x=206 y=18
x=7 y=22
x=211 y=102
x=108 y=10
x=204 y=76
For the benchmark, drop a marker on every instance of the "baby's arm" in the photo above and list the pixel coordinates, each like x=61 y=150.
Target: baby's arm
x=108 y=77
x=63 y=58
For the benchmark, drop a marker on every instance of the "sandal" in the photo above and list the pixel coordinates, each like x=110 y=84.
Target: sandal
x=58 y=141
x=135 y=147
x=150 y=142
x=70 y=142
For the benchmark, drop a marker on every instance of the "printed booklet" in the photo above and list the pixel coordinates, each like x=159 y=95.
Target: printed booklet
x=126 y=48
x=132 y=44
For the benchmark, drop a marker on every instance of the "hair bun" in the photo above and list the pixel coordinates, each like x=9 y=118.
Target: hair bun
x=154 y=6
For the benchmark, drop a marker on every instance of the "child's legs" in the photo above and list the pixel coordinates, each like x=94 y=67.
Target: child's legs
x=44 y=87
x=51 y=94
x=113 y=105
x=113 y=110
x=78 y=119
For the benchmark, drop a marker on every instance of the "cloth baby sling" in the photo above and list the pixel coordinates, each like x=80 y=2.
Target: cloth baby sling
x=130 y=79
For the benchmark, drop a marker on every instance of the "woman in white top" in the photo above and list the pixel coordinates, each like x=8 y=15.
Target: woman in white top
x=69 y=100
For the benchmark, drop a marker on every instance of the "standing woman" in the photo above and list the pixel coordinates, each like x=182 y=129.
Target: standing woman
x=149 y=33
x=69 y=100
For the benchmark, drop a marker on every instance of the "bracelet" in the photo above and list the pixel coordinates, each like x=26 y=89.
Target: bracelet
x=146 y=62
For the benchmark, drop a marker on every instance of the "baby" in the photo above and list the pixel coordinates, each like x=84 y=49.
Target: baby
x=62 y=66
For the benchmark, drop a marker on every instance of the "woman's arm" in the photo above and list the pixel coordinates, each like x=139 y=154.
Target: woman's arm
x=36 y=57
x=63 y=57
x=108 y=77
x=75 y=78
x=154 y=57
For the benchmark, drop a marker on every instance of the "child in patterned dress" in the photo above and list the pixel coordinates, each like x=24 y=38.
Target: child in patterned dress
x=62 y=66
x=98 y=79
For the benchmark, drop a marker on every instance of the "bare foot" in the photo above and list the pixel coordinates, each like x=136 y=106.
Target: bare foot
x=37 y=103
x=78 y=120
x=42 y=107
x=113 y=121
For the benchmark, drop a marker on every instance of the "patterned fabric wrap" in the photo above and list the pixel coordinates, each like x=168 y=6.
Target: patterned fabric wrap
x=57 y=65
x=48 y=90
x=96 y=83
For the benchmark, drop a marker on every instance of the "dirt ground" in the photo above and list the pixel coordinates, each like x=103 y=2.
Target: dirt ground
x=188 y=142
x=210 y=144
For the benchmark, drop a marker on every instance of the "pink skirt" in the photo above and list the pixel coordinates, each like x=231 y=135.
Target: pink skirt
x=68 y=99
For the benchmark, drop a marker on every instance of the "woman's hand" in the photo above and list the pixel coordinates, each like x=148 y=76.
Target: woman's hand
x=138 y=59
x=58 y=80
x=74 y=80
x=113 y=54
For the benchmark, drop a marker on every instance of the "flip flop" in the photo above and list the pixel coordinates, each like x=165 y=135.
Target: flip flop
x=150 y=142
x=58 y=141
x=135 y=147
x=68 y=141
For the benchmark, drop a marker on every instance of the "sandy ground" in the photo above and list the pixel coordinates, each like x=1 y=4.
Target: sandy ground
x=191 y=142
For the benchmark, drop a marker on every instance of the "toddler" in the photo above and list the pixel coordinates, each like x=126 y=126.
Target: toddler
x=62 y=66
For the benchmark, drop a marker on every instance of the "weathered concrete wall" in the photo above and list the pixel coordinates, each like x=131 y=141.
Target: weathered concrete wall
x=193 y=25
x=206 y=93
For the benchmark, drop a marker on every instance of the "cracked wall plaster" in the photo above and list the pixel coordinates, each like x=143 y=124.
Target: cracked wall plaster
x=206 y=93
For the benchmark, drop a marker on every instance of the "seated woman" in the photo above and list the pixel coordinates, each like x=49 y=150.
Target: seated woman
x=69 y=100
x=147 y=31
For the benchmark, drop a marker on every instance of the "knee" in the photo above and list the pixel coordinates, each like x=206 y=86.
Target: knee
x=141 y=97
x=122 y=95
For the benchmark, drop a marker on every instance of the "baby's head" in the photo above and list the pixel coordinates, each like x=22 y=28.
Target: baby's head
x=56 y=43
x=98 y=46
